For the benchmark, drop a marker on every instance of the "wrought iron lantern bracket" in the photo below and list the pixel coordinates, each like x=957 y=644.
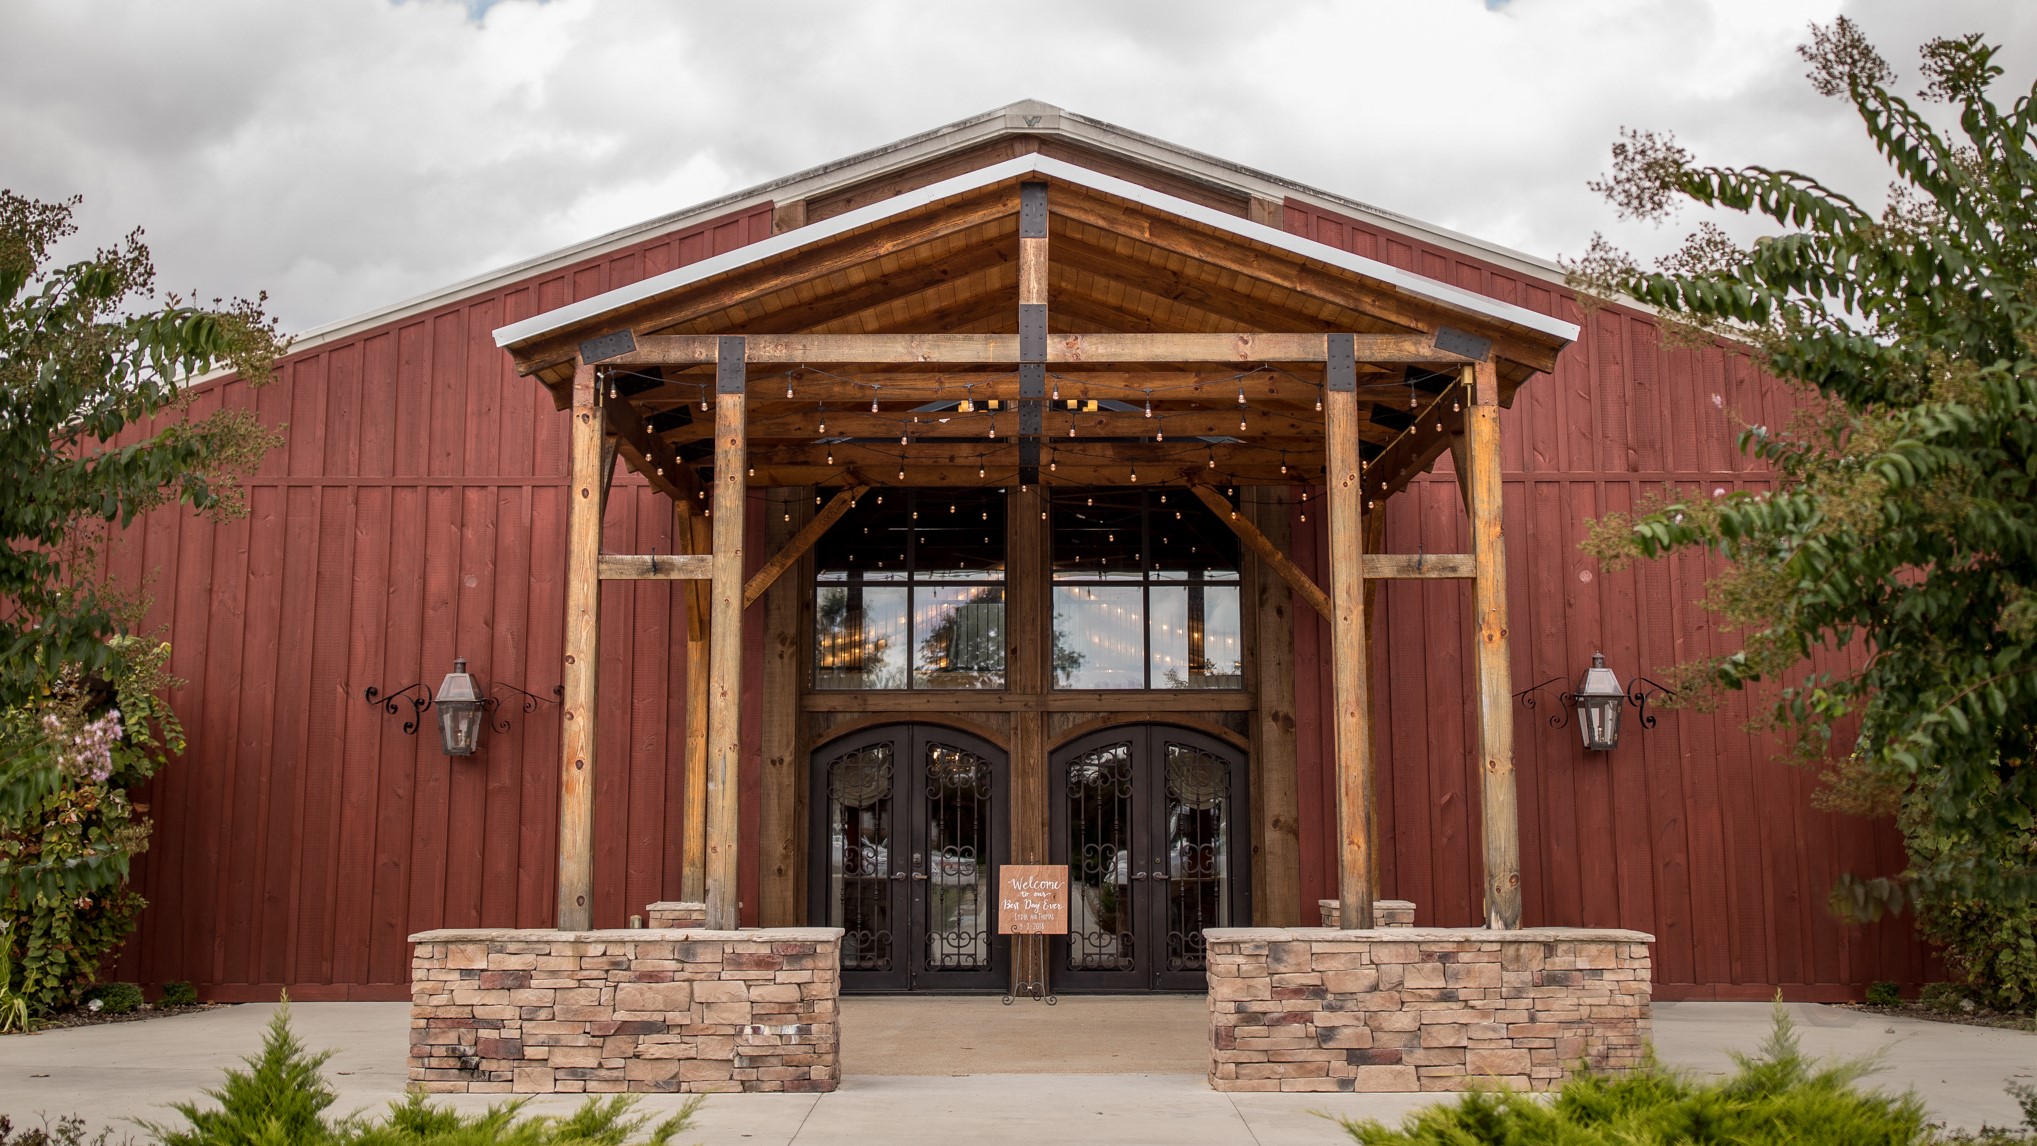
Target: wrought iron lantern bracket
x=1566 y=700
x=1640 y=691
x=392 y=703
x=529 y=703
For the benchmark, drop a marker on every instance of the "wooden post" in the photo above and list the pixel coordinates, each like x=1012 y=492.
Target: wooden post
x=695 y=529
x=583 y=633
x=1501 y=815
x=781 y=803
x=1276 y=807
x=725 y=638
x=1028 y=620
x=1349 y=668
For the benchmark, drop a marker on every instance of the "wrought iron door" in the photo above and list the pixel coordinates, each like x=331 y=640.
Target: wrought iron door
x=909 y=827
x=1151 y=821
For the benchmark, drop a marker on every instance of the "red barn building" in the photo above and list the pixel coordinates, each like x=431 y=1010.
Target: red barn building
x=1166 y=703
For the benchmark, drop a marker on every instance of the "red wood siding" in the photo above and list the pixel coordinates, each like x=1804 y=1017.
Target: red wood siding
x=1691 y=830
x=416 y=513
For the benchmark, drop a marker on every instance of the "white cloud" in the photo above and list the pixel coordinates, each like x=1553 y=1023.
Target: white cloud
x=350 y=153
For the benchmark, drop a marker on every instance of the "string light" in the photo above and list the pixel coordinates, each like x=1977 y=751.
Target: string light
x=788 y=385
x=873 y=398
x=1149 y=403
x=1319 y=403
x=1283 y=461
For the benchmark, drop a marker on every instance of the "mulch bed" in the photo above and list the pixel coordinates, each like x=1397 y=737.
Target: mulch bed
x=82 y=1017
x=1978 y=1017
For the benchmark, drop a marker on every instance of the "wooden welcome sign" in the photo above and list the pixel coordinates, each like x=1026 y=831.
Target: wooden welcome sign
x=1032 y=899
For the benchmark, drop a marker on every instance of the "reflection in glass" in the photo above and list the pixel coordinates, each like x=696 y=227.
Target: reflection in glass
x=1100 y=919
x=961 y=637
x=1099 y=636
x=859 y=863
x=1198 y=869
x=958 y=904
x=1197 y=642
x=859 y=636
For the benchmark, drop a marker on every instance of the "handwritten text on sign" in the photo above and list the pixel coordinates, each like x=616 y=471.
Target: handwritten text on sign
x=1032 y=899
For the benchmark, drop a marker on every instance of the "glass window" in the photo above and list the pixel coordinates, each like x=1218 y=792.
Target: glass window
x=1145 y=592
x=909 y=592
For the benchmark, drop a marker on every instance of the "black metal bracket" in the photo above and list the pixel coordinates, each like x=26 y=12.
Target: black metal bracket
x=1566 y=699
x=392 y=703
x=1640 y=691
x=529 y=704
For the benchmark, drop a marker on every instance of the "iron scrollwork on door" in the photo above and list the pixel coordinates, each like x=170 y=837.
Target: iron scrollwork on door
x=861 y=823
x=1100 y=924
x=958 y=903
x=1198 y=830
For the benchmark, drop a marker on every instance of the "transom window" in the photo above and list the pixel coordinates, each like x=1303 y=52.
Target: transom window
x=909 y=592
x=1145 y=592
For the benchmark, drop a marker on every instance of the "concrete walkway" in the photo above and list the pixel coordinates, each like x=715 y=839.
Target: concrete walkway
x=1130 y=1071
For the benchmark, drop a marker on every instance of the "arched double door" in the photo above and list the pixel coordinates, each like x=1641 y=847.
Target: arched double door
x=910 y=823
x=1151 y=820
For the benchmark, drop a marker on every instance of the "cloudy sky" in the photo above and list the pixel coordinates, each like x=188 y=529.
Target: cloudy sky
x=347 y=154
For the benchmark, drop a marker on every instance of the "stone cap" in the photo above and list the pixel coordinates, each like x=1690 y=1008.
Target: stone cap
x=626 y=934
x=1419 y=934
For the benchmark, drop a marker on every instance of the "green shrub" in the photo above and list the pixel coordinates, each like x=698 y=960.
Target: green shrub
x=115 y=998
x=1945 y=997
x=178 y=993
x=1884 y=993
x=66 y=1131
x=283 y=1095
x=1776 y=1096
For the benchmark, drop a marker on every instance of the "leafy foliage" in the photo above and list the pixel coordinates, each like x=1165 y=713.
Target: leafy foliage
x=1775 y=1096
x=68 y=830
x=116 y=998
x=178 y=993
x=66 y=1131
x=1903 y=531
x=86 y=354
x=282 y=1098
x=1884 y=993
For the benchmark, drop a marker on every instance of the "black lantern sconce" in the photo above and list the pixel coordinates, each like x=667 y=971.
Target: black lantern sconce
x=460 y=706
x=1597 y=702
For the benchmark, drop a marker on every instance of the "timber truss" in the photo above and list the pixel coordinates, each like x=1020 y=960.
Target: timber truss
x=1040 y=326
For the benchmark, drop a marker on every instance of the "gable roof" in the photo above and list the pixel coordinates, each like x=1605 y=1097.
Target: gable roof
x=1445 y=295
x=1206 y=178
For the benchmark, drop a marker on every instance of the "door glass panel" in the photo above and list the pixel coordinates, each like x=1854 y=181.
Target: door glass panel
x=859 y=636
x=1099 y=636
x=1100 y=919
x=961 y=637
x=1198 y=831
x=958 y=905
x=859 y=864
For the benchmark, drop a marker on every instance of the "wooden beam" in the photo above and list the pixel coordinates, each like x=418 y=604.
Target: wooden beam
x=1003 y=349
x=654 y=567
x=647 y=454
x=583 y=634
x=1419 y=566
x=794 y=549
x=1276 y=803
x=1500 y=811
x=1028 y=616
x=696 y=528
x=933 y=425
x=1350 y=671
x=1262 y=547
x=781 y=804
x=725 y=642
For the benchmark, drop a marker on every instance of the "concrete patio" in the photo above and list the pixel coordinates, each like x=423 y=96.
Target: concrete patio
x=1116 y=1070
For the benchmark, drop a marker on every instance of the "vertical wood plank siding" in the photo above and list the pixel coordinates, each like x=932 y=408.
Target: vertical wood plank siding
x=1691 y=830
x=415 y=513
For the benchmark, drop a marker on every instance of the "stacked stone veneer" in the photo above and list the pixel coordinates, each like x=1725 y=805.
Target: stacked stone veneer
x=1385 y=912
x=563 y=1012
x=1405 y=1009
x=666 y=914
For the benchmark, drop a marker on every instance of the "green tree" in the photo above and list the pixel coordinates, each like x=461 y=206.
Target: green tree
x=88 y=352
x=1901 y=540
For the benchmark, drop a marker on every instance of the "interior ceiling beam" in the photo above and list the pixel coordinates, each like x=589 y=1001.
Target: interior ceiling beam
x=1066 y=475
x=847 y=301
x=1183 y=289
x=812 y=424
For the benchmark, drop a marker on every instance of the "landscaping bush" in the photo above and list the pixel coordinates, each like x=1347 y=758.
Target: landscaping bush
x=66 y=1131
x=1945 y=997
x=115 y=998
x=283 y=1095
x=178 y=993
x=1776 y=1096
x=1884 y=993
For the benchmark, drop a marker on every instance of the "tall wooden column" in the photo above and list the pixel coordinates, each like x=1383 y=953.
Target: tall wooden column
x=696 y=533
x=1501 y=816
x=583 y=630
x=1276 y=869
x=1027 y=617
x=1349 y=668
x=725 y=636
x=782 y=795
